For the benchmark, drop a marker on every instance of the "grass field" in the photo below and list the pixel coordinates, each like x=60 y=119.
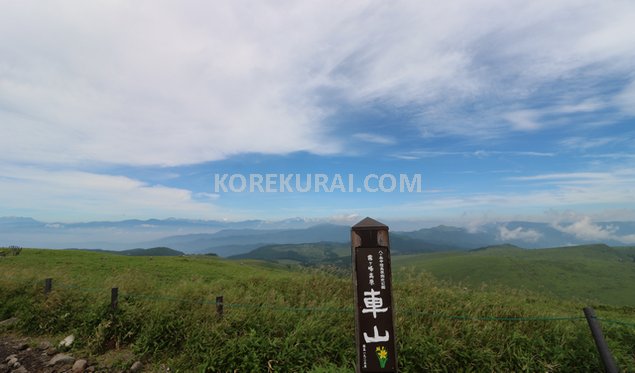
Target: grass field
x=295 y=320
x=592 y=273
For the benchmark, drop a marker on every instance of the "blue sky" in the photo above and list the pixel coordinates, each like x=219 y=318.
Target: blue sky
x=507 y=109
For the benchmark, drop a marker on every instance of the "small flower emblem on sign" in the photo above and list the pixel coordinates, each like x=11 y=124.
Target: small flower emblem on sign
x=382 y=355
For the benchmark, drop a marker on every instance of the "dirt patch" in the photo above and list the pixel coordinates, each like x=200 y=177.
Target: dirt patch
x=35 y=354
x=30 y=358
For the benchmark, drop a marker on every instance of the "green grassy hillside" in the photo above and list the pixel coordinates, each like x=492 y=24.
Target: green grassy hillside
x=592 y=272
x=293 y=320
x=314 y=254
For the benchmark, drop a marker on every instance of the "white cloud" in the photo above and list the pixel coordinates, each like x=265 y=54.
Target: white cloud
x=376 y=139
x=626 y=99
x=578 y=176
x=441 y=57
x=74 y=195
x=344 y=219
x=412 y=155
x=151 y=84
x=527 y=120
x=207 y=196
x=586 y=106
x=585 y=229
x=587 y=190
x=628 y=239
x=159 y=83
x=583 y=143
x=524 y=120
x=519 y=233
x=611 y=155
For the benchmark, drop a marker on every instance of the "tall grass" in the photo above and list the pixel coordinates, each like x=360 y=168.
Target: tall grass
x=292 y=321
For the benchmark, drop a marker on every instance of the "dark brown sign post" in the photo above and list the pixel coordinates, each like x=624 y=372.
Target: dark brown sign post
x=374 y=326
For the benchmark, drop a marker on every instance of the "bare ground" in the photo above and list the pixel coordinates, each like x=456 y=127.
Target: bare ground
x=35 y=354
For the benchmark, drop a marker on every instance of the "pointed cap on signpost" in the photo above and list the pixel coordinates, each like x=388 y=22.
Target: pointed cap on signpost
x=369 y=223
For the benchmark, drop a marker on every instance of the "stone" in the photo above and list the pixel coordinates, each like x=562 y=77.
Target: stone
x=20 y=370
x=80 y=366
x=10 y=321
x=68 y=341
x=12 y=362
x=136 y=367
x=22 y=346
x=12 y=356
x=61 y=359
x=51 y=351
x=45 y=345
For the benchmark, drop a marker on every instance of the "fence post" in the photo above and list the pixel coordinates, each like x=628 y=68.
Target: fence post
x=48 y=285
x=600 y=343
x=114 y=298
x=219 y=306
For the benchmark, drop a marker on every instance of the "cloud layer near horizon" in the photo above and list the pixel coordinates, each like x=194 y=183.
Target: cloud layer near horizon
x=58 y=195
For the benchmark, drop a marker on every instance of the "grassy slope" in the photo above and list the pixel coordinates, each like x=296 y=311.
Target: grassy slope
x=165 y=313
x=591 y=272
x=94 y=269
x=306 y=253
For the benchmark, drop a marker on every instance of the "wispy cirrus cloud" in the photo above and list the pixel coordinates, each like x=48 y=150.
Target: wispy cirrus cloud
x=376 y=139
x=612 y=155
x=583 y=143
x=626 y=99
x=420 y=154
x=618 y=177
x=582 y=190
x=565 y=176
x=528 y=120
x=524 y=120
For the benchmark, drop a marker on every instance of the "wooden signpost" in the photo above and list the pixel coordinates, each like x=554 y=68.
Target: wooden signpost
x=374 y=325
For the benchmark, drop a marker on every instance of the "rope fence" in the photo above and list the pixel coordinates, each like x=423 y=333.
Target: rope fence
x=221 y=305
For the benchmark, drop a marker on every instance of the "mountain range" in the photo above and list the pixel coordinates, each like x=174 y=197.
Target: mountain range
x=236 y=238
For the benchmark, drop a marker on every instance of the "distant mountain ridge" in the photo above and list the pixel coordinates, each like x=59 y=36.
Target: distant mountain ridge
x=440 y=238
x=496 y=247
x=124 y=234
x=153 y=251
x=238 y=241
x=235 y=238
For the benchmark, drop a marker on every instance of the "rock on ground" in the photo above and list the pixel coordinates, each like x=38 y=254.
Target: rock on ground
x=12 y=361
x=61 y=359
x=20 y=370
x=36 y=359
x=136 y=367
x=44 y=345
x=68 y=341
x=9 y=321
x=80 y=365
